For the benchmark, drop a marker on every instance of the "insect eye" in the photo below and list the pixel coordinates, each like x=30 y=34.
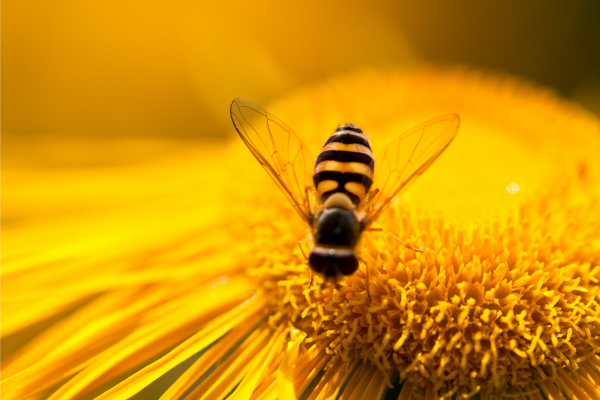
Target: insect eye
x=347 y=263
x=334 y=263
x=319 y=262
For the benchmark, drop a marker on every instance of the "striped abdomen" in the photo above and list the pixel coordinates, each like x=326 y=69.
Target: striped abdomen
x=345 y=164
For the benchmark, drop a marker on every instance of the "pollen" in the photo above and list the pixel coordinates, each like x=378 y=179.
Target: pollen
x=513 y=188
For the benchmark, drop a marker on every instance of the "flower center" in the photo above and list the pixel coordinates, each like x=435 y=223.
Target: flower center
x=494 y=305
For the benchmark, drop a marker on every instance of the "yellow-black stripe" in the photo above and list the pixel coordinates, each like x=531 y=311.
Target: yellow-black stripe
x=348 y=139
x=345 y=165
x=349 y=127
x=346 y=157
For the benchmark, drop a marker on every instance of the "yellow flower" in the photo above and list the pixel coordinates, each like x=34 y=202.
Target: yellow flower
x=114 y=277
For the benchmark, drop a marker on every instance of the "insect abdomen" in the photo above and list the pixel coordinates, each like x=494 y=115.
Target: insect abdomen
x=345 y=165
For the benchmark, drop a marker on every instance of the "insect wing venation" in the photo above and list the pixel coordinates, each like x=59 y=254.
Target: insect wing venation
x=279 y=150
x=407 y=157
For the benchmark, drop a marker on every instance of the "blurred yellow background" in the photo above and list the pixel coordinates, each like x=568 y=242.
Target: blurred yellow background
x=117 y=70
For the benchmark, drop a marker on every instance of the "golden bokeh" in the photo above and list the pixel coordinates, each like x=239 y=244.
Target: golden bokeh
x=130 y=69
x=151 y=68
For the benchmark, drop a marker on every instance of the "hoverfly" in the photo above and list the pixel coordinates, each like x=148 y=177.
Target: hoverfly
x=343 y=191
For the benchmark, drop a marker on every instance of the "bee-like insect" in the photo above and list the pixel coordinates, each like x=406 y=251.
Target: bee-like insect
x=345 y=190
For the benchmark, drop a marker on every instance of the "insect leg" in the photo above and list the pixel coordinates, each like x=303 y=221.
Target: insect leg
x=367 y=279
x=302 y=250
x=401 y=241
x=312 y=274
x=307 y=202
x=370 y=196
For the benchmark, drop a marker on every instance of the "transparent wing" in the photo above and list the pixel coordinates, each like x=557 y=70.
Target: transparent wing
x=280 y=151
x=408 y=157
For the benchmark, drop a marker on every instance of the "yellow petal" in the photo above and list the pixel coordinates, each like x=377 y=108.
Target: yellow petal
x=233 y=369
x=359 y=384
x=141 y=379
x=208 y=359
x=259 y=367
x=285 y=373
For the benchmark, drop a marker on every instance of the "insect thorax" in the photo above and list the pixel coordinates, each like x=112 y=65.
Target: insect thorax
x=336 y=227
